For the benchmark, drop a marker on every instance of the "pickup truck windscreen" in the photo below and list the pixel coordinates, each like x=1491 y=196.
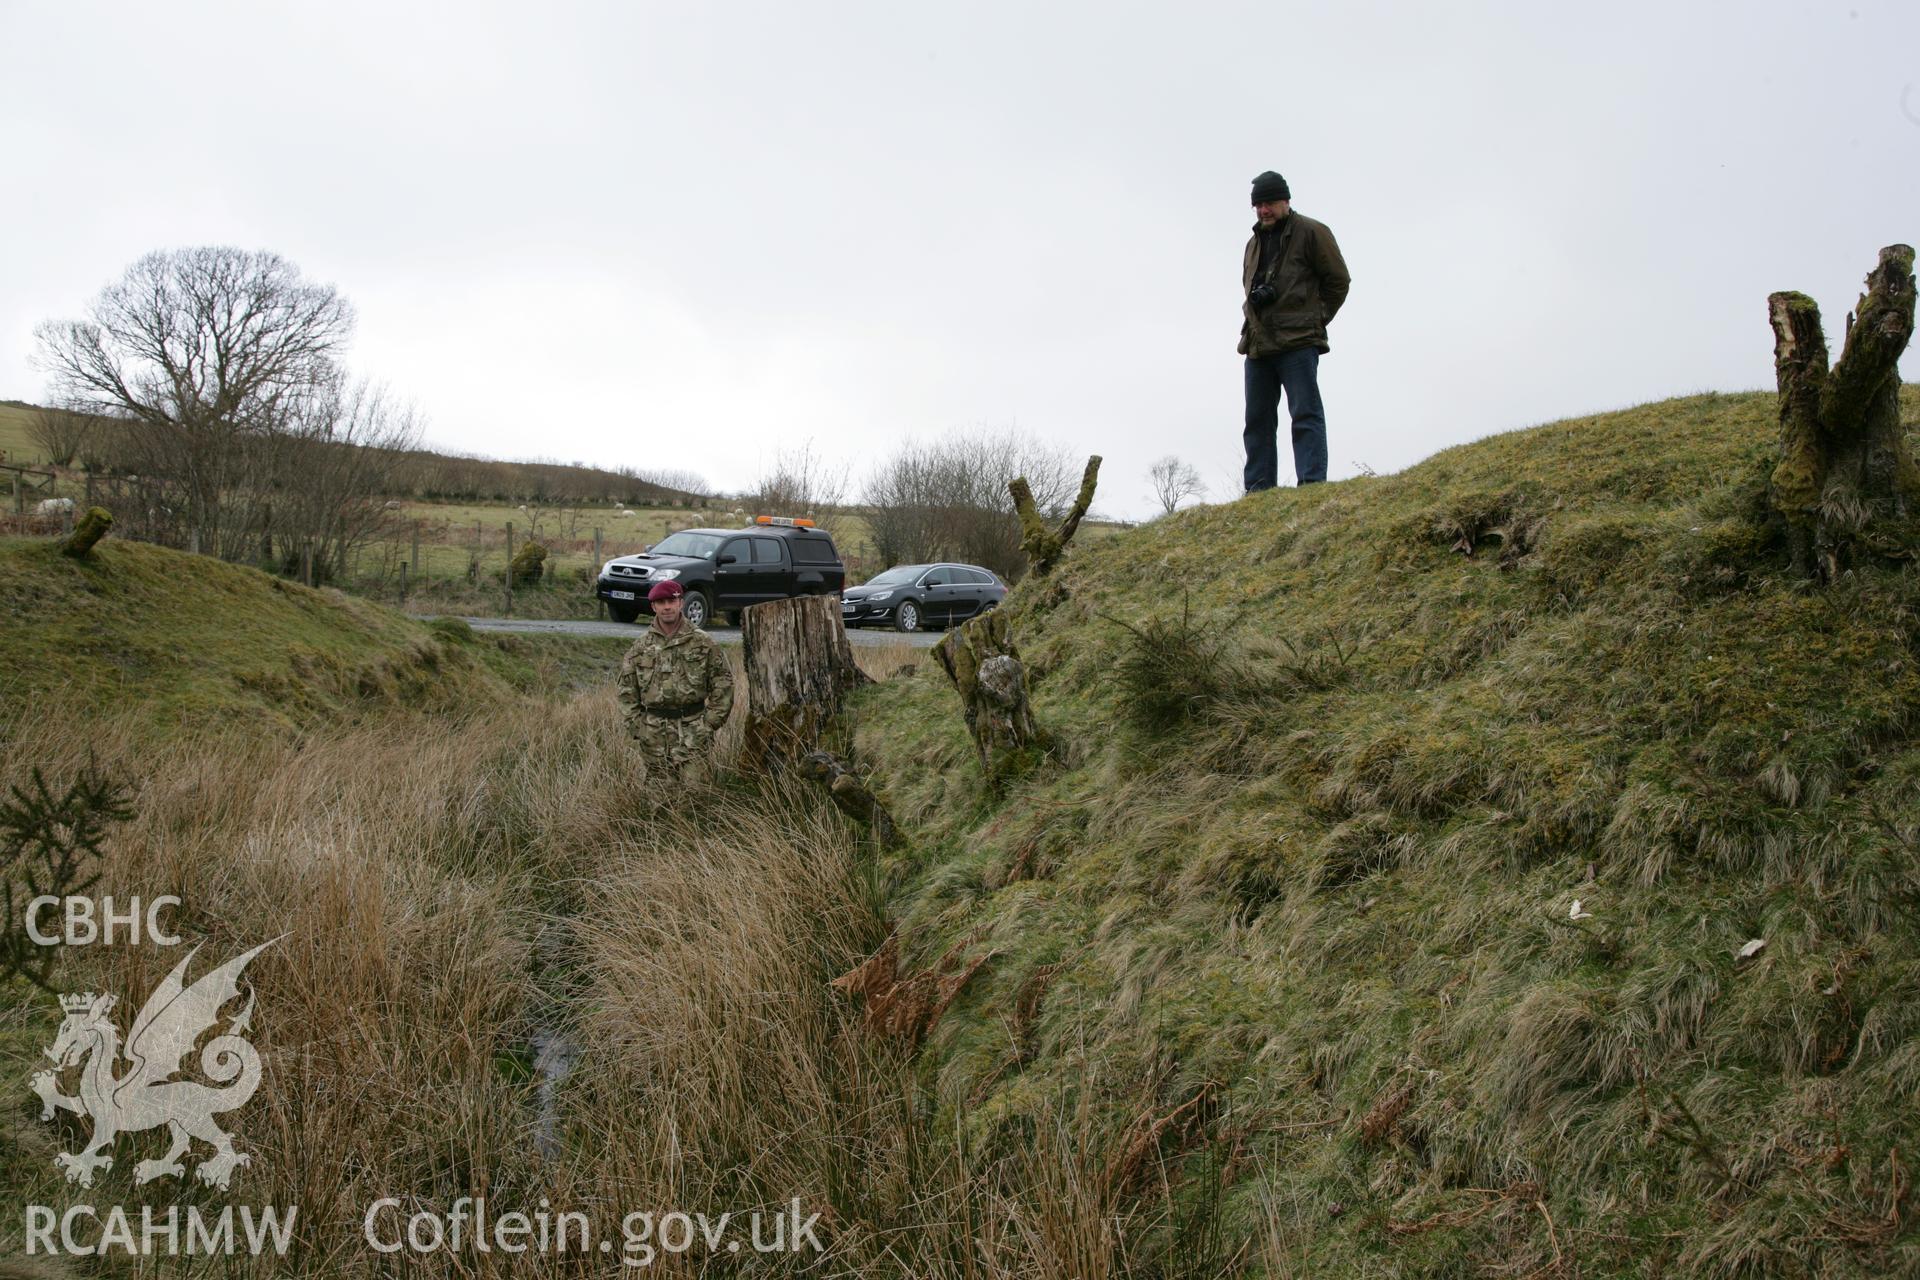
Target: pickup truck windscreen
x=701 y=546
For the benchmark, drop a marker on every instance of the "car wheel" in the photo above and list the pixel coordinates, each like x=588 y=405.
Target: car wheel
x=622 y=610
x=907 y=616
x=699 y=608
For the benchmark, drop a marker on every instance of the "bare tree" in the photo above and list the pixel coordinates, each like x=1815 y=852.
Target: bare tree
x=801 y=483
x=950 y=500
x=1174 y=482
x=678 y=481
x=330 y=467
x=205 y=352
x=62 y=434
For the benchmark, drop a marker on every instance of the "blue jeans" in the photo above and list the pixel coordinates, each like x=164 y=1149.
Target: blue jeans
x=1297 y=372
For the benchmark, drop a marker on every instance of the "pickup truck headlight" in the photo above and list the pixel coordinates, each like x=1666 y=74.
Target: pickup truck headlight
x=607 y=568
x=666 y=575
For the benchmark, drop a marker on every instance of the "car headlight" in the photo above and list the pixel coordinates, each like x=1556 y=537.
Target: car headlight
x=666 y=575
x=607 y=568
x=879 y=595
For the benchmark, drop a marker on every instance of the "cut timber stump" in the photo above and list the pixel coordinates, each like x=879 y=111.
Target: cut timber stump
x=799 y=669
x=1845 y=481
x=92 y=527
x=851 y=795
x=985 y=668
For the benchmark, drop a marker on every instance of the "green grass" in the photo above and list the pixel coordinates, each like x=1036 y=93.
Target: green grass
x=1296 y=879
x=16 y=442
x=197 y=643
x=1329 y=886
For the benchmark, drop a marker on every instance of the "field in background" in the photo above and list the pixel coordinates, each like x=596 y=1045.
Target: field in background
x=15 y=442
x=454 y=537
x=451 y=557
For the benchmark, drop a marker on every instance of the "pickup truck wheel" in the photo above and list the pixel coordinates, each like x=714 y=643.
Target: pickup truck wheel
x=622 y=610
x=907 y=616
x=699 y=608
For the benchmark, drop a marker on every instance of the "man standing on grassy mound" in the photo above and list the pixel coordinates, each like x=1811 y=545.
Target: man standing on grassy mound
x=1294 y=280
x=676 y=690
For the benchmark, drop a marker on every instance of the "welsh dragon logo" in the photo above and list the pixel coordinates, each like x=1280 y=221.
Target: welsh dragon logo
x=146 y=1095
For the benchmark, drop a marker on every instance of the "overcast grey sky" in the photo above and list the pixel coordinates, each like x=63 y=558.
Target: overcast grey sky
x=679 y=235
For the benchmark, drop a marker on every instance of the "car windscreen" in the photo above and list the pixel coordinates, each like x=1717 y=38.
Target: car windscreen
x=701 y=546
x=900 y=573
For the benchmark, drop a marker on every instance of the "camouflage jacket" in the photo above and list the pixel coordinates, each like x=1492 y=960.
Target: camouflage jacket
x=674 y=673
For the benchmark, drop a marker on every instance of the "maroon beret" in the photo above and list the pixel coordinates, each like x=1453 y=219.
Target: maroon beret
x=668 y=590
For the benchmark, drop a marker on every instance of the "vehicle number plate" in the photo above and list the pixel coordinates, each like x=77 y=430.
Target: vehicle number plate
x=620 y=595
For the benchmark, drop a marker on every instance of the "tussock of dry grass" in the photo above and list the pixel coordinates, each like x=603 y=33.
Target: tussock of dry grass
x=442 y=889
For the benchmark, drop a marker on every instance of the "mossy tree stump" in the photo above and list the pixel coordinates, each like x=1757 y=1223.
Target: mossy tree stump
x=985 y=668
x=1042 y=545
x=90 y=529
x=799 y=669
x=528 y=563
x=1845 y=482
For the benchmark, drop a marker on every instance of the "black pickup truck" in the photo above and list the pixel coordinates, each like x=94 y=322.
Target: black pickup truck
x=725 y=570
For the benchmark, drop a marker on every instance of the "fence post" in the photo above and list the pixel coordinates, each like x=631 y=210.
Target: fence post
x=600 y=606
x=415 y=562
x=193 y=542
x=509 y=568
x=306 y=558
x=19 y=497
x=403 y=581
x=66 y=520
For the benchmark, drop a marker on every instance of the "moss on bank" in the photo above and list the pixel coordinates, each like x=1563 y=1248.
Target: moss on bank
x=1336 y=899
x=196 y=643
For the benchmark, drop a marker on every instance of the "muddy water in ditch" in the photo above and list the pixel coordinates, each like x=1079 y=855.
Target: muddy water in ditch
x=553 y=1048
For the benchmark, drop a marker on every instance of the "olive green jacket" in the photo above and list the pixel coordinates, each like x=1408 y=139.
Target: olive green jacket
x=1311 y=278
x=676 y=671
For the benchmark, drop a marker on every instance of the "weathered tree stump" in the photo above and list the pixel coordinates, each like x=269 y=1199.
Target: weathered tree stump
x=851 y=795
x=1845 y=481
x=1042 y=545
x=90 y=529
x=985 y=668
x=799 y=669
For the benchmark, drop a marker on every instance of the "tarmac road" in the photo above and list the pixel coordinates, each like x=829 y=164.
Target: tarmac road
x=725 y=635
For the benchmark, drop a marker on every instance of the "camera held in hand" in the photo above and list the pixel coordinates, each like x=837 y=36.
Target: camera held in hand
x=1262 y=296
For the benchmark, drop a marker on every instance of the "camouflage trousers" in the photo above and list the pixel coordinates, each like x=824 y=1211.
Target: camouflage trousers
x=674 y=750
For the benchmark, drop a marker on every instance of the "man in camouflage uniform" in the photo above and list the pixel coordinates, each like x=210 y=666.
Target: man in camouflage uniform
x=676 y=690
